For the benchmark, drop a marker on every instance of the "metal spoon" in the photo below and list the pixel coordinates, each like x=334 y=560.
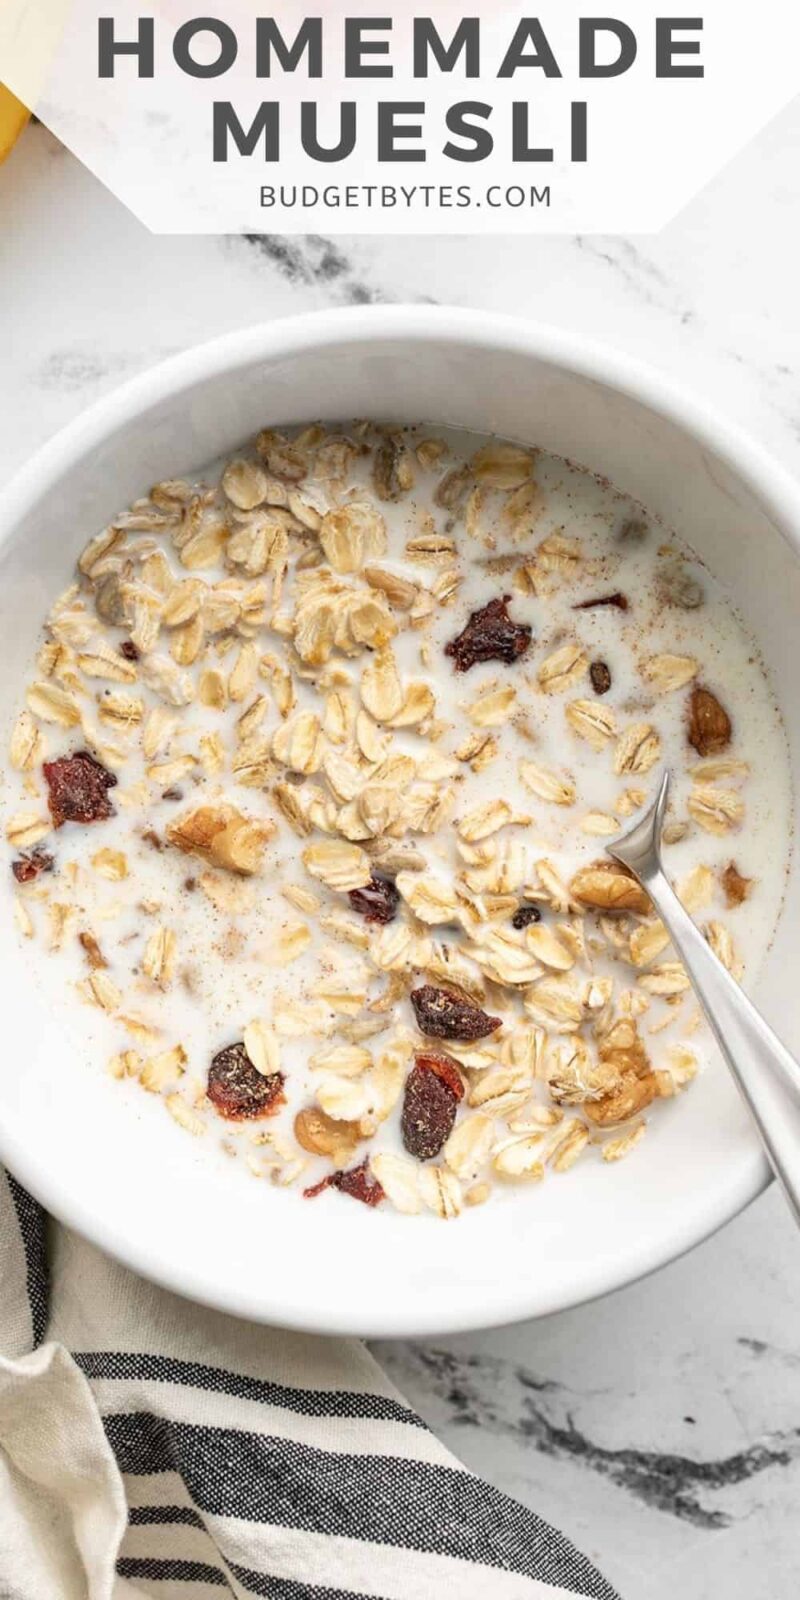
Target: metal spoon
x=766 y=1074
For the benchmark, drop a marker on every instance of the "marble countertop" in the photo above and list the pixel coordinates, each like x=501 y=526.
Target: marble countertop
x=659 y=1427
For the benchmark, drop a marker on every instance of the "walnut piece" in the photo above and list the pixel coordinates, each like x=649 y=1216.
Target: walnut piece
x=608 y=886
x=736 y=887
x=223 y=836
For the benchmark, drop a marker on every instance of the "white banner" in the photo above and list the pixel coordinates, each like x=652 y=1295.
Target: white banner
x=356 y=117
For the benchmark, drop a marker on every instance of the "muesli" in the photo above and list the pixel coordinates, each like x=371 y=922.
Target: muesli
x=313 y=776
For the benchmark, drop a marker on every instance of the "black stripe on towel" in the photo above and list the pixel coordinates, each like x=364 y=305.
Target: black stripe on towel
x=32 y=1226
x=142 y=1443
x=170 y=1571
x=216 y=1380
x=159 y=1516
x=261 y=1583
x=405 y=1504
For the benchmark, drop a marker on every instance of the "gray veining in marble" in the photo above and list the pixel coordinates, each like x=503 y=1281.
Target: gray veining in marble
x=659 y=1427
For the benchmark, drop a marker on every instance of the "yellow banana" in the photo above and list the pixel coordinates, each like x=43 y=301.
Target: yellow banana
x=13 y=117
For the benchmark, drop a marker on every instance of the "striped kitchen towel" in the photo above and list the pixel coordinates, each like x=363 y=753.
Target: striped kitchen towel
x=149 y=1447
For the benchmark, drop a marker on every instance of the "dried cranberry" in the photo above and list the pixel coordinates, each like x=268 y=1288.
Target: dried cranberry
x=600 y=676
x=525 y=916
x=78 y=789
x=445 y=1014
x=615 y=599
x=433 y=1090
x=237 y=1091
x=358 y=1182
x=376 y=901
x=30 y=864
x=129 y=650
x=319 y=1188
x=489 y=635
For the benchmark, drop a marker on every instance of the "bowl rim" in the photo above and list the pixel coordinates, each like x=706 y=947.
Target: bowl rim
x=771 y=484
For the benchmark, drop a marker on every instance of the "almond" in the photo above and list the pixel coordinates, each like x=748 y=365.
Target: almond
x=709 y=724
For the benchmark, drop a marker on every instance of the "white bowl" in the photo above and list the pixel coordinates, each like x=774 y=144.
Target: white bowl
x=107 y=1161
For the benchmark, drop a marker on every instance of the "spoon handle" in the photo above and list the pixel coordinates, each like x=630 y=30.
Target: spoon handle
x=767 y=1075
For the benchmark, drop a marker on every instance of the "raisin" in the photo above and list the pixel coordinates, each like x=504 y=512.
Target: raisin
x=129 y=650
x=78 y=788
x=709 y=724
x=600 y=676
x=433 y=1090
x=30 y=863
x=525 y=916
x=358 y=1182
x=489 y=635
x=237 y=1091
x=376 y=901
x=445 y=1014
x=620 y=601
x=172 y=794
